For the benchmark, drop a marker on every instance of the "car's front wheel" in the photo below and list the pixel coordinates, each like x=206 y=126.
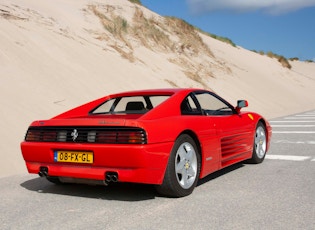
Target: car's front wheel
x=183 y=169
x=260 y=144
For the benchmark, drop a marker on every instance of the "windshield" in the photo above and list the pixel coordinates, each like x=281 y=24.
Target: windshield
x=130 y=105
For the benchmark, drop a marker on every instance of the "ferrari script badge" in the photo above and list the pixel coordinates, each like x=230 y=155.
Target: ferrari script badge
x=74 y=134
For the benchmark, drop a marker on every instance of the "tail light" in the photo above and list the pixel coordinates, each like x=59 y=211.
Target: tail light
x=33 y=135
x=121 y=137
x=113 y=135
x=39 y=135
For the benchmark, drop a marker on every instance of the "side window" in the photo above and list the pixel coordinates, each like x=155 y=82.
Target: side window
x=104 y=108
x=156 y=100
x=212 y=105
x=188 y=107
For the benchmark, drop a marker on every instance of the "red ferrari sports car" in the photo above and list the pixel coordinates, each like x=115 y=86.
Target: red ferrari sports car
x=166 y=137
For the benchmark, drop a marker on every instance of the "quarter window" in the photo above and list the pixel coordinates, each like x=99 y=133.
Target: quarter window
x=189 y=107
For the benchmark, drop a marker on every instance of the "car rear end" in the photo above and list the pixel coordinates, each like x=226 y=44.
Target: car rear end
x=106 y=139
x=94 y=152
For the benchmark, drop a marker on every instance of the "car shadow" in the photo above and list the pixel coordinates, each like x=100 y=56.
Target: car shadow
x=114 y=191
x=219 y=173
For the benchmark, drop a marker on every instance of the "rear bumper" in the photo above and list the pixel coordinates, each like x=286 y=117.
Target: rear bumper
x=133 y=163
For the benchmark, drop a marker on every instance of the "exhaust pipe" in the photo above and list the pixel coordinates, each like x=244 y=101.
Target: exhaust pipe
x=43 y=172
x=114 y=178
x=111 y=177
x=108 y=178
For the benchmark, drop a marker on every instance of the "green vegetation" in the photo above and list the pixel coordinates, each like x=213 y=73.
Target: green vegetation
x=136 y=1
x=223 y=39
x=116 y=26
x=284 y=62
x=189 y=28
x=148 y=32
x=188 y=37
x=168 y=34
x=294 y=59
x=156 y=35
x=297 y=59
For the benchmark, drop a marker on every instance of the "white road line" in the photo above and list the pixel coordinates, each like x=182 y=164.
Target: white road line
x=313 y=159
x=294 y=132
x=294 y=142
x=305 y=115
x=288 y=157
x=312 y=121
x=288 y=126
x=297 y=118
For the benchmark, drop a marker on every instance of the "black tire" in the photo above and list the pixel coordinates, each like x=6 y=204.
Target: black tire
x=53 y=179
x=183 y=169
x=259 y=145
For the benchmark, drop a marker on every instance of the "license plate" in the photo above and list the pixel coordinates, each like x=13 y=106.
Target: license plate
x=73 y=157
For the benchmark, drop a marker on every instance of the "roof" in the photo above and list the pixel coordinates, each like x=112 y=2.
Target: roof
x=155 y=91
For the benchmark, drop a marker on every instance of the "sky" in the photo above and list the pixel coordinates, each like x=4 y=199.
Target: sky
x=284 y=27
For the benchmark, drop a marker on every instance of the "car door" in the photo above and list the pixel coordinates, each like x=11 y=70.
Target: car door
x=233 y=130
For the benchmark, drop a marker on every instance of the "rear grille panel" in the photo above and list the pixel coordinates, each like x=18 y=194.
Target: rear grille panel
x=98 y=135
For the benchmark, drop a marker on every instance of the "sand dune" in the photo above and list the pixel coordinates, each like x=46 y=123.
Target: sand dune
x=57 y=54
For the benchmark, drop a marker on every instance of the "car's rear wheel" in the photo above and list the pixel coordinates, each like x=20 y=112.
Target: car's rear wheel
x=260 y=144
x=183 y=169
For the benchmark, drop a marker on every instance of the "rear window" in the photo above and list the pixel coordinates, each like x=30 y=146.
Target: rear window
x=130 y=105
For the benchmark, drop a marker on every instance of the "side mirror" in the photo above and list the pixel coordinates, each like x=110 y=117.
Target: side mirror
x=241 y=104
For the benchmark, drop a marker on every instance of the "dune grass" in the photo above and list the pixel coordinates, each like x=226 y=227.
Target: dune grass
x=136 y=1
x=283 y=61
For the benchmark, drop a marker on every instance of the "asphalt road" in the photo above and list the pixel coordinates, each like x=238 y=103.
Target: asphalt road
x=277 y=194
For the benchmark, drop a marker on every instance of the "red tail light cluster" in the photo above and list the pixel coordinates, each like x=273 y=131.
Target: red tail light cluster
x=37 y=135
x=118 y=135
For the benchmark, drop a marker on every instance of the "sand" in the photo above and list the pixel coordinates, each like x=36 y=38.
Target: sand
x=55 y=55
